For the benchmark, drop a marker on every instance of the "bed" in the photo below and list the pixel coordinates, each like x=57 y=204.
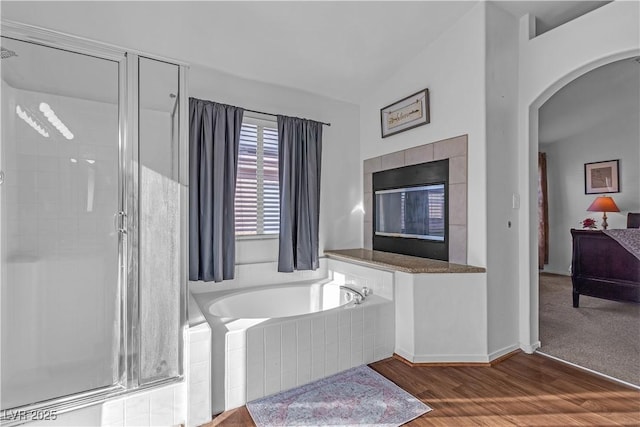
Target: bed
x=602 y=267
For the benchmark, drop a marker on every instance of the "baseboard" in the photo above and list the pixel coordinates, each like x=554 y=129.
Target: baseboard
x=506 y=351
x=422 y=364
x=530 y=348
x=403 y=355
x=457 y=364
x=451 y=358
x=504 y=357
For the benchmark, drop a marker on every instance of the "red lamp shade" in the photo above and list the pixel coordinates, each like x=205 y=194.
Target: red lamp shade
x=603 y=204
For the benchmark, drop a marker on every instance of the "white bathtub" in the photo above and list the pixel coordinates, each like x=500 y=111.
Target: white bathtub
x=280 y=301
x=272 y=338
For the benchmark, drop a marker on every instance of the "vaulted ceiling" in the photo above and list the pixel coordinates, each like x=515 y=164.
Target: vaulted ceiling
x=590 y=100
x=337 y=49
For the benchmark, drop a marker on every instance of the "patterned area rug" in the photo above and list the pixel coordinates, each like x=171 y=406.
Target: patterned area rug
x=356 y=397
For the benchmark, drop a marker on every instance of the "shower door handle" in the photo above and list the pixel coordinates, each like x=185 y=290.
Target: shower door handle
x=120 y=222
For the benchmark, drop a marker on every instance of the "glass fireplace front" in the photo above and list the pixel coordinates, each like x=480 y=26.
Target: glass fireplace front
x=414 y=212
x=410 y=210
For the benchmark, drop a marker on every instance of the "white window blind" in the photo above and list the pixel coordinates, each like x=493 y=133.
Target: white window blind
x=257 y=202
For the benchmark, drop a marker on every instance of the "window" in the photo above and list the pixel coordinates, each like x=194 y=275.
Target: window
x=257 y=202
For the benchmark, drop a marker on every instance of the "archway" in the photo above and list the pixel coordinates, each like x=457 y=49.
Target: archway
x=534 y=148
x=606 y=35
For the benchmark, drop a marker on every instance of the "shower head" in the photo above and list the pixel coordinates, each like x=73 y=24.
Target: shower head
x=6 y=53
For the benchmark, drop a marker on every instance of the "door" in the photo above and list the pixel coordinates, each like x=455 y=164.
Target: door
x=59 y=247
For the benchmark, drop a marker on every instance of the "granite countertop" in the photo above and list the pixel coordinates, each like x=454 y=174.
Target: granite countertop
x=398 y=262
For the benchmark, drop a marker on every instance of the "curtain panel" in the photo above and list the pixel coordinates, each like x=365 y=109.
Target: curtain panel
x=300 y=159
x=214 y=134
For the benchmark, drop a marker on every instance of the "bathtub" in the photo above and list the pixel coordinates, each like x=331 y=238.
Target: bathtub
x=280 y=301
x=269 y=339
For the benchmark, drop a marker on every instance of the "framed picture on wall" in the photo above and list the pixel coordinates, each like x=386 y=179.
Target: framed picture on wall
x=601 y=177
x=408 y=113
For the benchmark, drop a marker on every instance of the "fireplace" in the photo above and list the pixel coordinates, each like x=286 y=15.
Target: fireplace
x=411 y=210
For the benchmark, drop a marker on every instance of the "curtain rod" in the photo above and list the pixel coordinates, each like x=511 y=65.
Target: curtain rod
x=275 y=115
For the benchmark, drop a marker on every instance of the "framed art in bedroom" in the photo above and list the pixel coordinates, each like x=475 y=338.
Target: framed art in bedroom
x=601 y=177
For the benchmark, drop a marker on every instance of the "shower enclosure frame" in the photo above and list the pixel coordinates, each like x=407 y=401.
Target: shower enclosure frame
x=126 y=220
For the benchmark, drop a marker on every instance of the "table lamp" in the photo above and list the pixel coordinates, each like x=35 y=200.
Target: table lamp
x=603 y=204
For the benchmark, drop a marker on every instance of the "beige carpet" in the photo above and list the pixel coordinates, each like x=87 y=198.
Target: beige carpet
x=601 y=335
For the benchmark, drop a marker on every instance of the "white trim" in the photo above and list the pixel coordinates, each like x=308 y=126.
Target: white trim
x=506 y=350
x=260 y=119
x=530 y=348
x=442 y=358
x=270 y=236
x=600 y=374
x=404 y=354
x=451 y=358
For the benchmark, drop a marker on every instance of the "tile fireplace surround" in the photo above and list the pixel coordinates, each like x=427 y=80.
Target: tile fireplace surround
x=454 y=149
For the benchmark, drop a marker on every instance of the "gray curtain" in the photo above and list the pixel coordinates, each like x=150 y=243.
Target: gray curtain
x=300 y=158
x=214 y=134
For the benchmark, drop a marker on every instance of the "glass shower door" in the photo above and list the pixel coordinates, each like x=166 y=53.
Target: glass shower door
x=59 y=247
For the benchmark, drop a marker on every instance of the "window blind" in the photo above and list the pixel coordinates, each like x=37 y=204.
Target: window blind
x=257 y=201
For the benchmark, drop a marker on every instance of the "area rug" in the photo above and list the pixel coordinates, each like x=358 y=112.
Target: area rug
x=356 y=397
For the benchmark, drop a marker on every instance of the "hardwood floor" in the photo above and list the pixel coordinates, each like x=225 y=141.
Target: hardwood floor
x=524 y=390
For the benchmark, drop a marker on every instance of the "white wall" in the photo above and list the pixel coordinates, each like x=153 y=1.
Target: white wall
x=546 y=63
x=502 y=179
x=617 y=138
x=340 y=222
x=452 y=67
x=441 y=317
x=471 y=72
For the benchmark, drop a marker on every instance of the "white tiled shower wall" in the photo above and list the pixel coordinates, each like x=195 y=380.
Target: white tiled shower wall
x=58 y=244
x=52 y=220
x=166 y=406
x=199 y=374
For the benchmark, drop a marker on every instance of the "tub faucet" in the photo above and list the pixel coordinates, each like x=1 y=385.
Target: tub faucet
x=358 y=297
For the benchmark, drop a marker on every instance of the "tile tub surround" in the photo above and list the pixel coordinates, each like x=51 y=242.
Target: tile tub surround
x=253 y=358
x=198 y=374
x=454 y=149
x=398 y=262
